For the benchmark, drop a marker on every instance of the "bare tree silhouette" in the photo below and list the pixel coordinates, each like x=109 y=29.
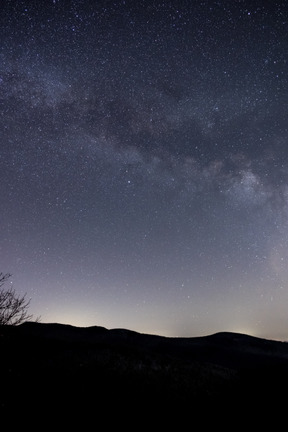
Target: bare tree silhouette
x=13 y=308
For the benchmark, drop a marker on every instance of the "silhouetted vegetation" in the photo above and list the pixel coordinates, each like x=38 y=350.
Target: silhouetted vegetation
x=13 y=308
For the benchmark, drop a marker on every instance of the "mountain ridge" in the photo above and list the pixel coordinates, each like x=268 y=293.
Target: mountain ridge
x=220 y=334
x=137 y=369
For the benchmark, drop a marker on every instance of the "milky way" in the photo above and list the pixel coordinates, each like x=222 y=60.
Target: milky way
x=144 y=163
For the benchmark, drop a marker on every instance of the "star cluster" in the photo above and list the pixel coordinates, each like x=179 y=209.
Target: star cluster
x=144 y=163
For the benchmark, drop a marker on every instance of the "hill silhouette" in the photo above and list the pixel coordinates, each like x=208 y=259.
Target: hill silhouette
x=67 y=369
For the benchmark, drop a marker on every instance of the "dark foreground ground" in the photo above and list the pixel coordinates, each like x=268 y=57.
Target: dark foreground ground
x=50 y=370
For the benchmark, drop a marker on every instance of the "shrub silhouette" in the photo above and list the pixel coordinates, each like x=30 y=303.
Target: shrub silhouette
x=13 y=308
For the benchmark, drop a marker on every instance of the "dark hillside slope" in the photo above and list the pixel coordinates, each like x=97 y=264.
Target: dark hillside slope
x=59 y=367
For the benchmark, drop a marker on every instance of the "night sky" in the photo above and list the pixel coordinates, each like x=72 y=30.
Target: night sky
x=144 y=163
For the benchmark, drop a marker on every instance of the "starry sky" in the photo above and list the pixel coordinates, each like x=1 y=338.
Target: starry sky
x=144 y=163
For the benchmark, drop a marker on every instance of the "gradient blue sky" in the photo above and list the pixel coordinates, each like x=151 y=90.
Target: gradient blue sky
x=144 y=163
